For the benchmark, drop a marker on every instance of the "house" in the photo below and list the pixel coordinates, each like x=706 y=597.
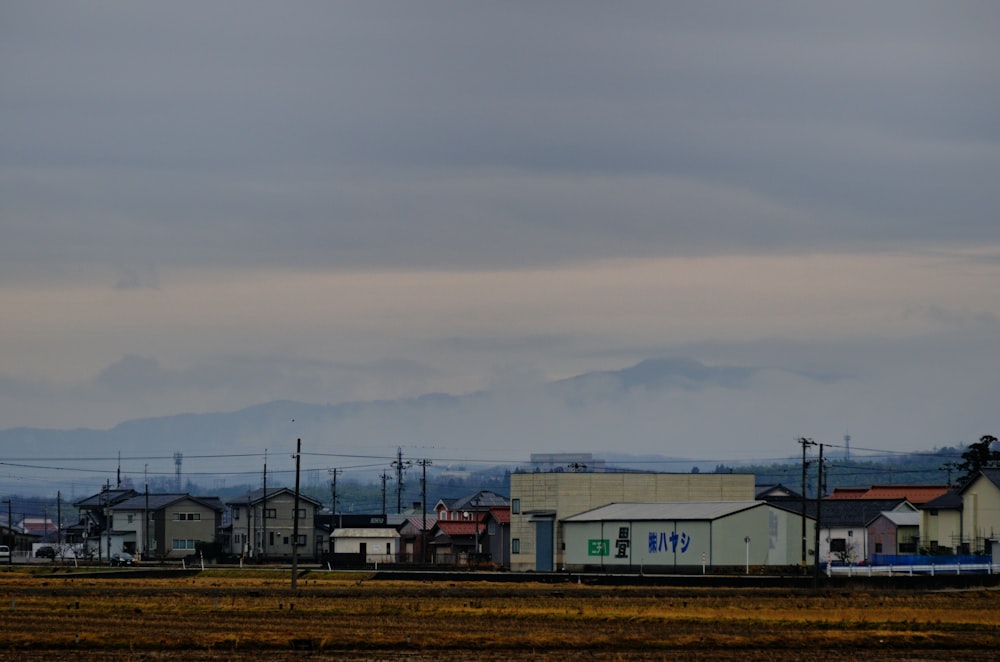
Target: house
x=93 y=531
x=844 y=534
x=414 y=538
x=540 y=502
x=981 y=511
x=468 y=529
x=894 y=532
x=666 y=536
x=941 y=525
x=164 y=526
x=260 y=526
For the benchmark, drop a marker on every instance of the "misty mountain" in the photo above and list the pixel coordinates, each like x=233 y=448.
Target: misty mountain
x=514 y=423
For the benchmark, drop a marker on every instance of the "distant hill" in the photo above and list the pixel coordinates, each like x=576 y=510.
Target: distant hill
x=477 y=424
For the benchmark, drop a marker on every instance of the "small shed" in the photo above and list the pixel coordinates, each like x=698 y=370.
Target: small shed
x=373 y=544
x=675 y=534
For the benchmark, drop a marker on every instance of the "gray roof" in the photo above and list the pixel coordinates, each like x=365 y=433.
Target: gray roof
x=159 y=501
x=947 y=501
x=257 y=496
x=678 y=510
x=901 y=518
x=481 y=500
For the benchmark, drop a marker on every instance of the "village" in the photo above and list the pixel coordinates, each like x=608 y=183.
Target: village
x=586 y=520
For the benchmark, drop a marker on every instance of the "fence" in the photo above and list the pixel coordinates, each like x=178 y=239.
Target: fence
x=912 y=564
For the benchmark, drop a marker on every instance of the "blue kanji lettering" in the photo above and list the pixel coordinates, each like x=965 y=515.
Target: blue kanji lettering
x=663 y=541
x=673 y=540
x=652 y=542
x=685 y=541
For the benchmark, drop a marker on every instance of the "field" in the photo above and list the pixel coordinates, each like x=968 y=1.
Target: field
x=254 y=615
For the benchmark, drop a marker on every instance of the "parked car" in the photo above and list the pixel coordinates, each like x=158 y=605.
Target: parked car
x=4 y=554
x=46 y=552
x=122 y=559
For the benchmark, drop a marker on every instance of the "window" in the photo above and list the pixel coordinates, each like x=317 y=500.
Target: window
x=236 y=513
x=180 y=543
x=301 y=541
x=492 y=529
x=270 y=513
x=838 y=545
x=515 y=546
x=515 y=506
x=302 y=514
x=187 y=517
x=129 y=518
x=878 y=548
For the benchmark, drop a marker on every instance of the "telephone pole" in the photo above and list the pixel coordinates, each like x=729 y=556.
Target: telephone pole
x=333 y=489
x=819 y=504
x=400 y=468
x=295 y=516
x=805 y=444
x=385 y=479
x=423 y=497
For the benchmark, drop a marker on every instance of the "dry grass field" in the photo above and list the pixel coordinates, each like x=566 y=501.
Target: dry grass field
x=254 y=615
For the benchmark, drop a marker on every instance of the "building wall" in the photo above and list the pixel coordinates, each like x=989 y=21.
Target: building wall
x=981 y=512
x=944 y=529
x=636 y=545
x=566 y=494
x=380 y=545
x=201 y=530
x=882 y=536
x=855 y=541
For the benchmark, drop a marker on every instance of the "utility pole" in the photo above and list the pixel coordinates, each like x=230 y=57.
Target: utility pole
x=263 y=535
x=819 y=496
x=400 y=468
x=805 y=444
x=423 y=497
x=295 y=516
x=333 y=489
x=385 y=479
x=145 y=514
x=10 y=531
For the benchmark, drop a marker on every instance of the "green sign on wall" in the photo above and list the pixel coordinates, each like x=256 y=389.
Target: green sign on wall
x=598 y=547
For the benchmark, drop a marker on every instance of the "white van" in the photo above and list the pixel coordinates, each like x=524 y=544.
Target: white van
x=4 y=554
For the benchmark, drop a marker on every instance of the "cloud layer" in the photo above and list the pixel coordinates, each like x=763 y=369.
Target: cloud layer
x=205 y=207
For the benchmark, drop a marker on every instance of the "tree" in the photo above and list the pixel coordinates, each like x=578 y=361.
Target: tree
x=979 y=455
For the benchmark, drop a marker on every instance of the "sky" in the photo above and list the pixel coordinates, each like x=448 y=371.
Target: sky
x=207 y=206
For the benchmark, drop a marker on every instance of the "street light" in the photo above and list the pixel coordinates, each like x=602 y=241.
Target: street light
x=747 y=541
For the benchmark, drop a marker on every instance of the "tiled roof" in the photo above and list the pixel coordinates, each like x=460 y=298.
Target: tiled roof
x=848 y=493
x=915 y=494
x=501 y=515
x=459 y=527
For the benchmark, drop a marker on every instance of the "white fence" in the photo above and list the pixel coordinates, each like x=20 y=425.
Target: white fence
x=931 y=569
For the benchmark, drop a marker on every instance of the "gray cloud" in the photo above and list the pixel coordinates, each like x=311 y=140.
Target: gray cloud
x=486 y=136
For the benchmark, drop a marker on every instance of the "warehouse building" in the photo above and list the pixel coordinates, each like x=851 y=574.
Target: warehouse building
x=539 y=502
x=661 y=537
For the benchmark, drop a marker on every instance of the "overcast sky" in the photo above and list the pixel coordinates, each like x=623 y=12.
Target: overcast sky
x=205 y=206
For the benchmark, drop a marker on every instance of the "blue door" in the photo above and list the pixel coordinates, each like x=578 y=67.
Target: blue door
x=543 y=545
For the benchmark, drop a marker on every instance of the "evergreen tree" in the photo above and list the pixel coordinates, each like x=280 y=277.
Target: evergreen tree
x=980 y=455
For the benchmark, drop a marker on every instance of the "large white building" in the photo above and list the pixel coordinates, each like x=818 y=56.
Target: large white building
x=541 y=501
x=665 y=536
